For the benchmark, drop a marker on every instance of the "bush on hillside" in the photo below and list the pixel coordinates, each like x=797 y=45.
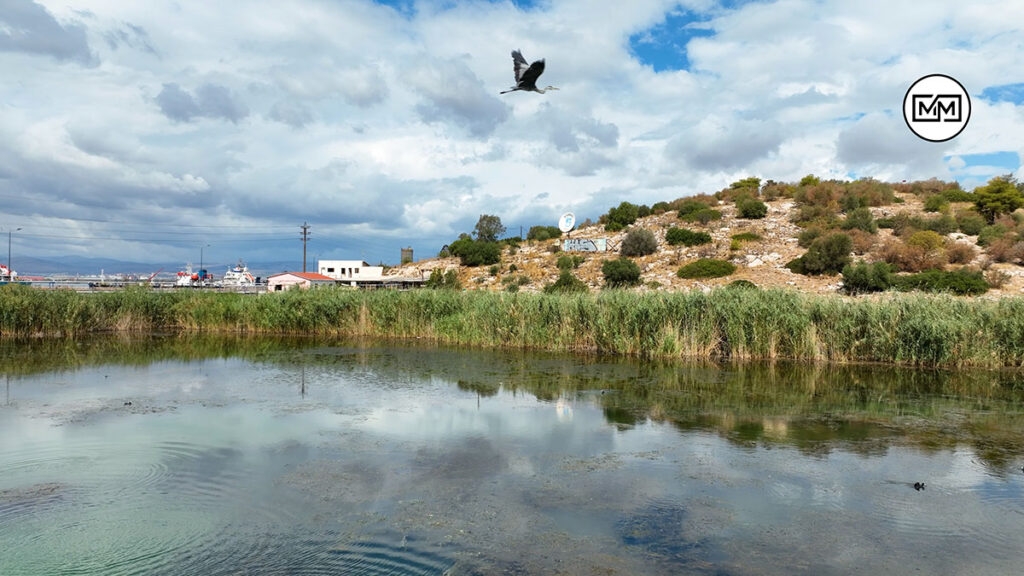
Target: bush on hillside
x=741 y=285
x=970 y=222
x=624 y=215
x=681 y=236
x=1000 y=196
x=703 y=216
x=860 y=219
x=569 y=261
x=639 y=242
x=541 y=233
x=963 y=281
x=566 y=284
x=990 y=234
x=826 y=255
x=443 y=280
x=620 y=273
x=751 y=209
x=865 y=277
x=936 y=203
x=475 y=253
x=706 y=268
x=746 y=237
x=957 y=195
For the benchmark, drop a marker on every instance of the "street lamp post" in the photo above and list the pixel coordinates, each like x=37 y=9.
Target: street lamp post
x=10 y=274
x=202 y=272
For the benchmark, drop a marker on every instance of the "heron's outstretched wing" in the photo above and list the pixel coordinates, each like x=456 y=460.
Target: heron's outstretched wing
x=529 y=77
x=519 y=65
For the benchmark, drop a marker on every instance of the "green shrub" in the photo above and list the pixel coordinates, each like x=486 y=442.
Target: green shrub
x=990 y=234
x=746 y=237
x=886 y=223
x=943 y=225
x=866 y=277
x=443 y=280
x=620 y=272
x=676 y=236
x=475 y=253
x=741 y=285
x=935 y=203
x=706 y=268
x=810 y=180
x=927 y=240
x=752 y=209
x=957 y=195
x=703 y=216
x=569 y=261
x=493 y=270
x=660 y=207
x=624 y=215
x=687 y=207
x=639 y=242
x=826 y=255
x=566 y=284
x=860 y=219
x=808 y=236
x=513 y=282
x=541 y=233
x=962 y=281
x=970 y=222
x=999 y=196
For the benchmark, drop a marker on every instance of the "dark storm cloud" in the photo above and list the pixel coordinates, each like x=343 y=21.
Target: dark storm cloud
x=452 y=93
x=339 y=194
x=294 y=114
x=57 y=189
x=27 y=27
x=209 y=101
x=577 y=143
x=570 y=132
x=715 y=146
x=884 y=139
x=129 y=35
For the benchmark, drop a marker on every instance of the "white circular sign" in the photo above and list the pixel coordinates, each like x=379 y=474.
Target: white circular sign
x=937 y=108
x=566 y=222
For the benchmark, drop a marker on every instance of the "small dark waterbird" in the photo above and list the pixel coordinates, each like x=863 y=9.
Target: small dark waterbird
x=527 y=74
x=918 y=486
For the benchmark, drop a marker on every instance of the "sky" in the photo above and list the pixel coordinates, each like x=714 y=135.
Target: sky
x=152 y=131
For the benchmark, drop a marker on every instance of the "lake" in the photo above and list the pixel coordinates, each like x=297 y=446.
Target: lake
x=205 y=455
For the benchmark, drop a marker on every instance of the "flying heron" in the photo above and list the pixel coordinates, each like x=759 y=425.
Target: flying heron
x=527 y=74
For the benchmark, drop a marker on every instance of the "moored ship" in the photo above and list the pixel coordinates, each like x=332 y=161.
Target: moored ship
x=238 y=276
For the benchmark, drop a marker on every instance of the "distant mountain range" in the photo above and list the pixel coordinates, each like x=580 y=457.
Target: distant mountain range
x=79 y=266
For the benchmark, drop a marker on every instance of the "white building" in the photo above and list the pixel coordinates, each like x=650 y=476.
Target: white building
x=352 y=272
x=288 y=280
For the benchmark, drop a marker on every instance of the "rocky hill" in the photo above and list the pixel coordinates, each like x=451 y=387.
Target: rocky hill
x=759 y=261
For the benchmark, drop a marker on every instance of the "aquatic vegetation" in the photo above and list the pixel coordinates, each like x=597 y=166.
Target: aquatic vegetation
x=918 y=329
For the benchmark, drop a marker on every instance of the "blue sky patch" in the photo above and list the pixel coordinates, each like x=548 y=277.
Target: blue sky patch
x=663 y=47
x=972 y=170
x=1010 y=161
x=1006 y=93
x=408 y=7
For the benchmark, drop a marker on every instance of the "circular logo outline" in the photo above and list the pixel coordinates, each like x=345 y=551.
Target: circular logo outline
x=910 y=122
x=567 y=222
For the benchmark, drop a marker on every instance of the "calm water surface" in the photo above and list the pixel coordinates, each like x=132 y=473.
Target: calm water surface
x=213 y=456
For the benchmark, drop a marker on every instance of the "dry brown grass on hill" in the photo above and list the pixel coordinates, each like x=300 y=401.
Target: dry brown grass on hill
x=761 y=261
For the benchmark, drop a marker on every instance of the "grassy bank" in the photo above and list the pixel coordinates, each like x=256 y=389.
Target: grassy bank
x=726 y=323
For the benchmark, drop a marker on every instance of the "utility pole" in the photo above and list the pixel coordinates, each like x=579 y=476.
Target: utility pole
x=305 y=238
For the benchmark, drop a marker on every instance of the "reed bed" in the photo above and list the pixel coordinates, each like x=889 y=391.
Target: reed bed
x=912 y=329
